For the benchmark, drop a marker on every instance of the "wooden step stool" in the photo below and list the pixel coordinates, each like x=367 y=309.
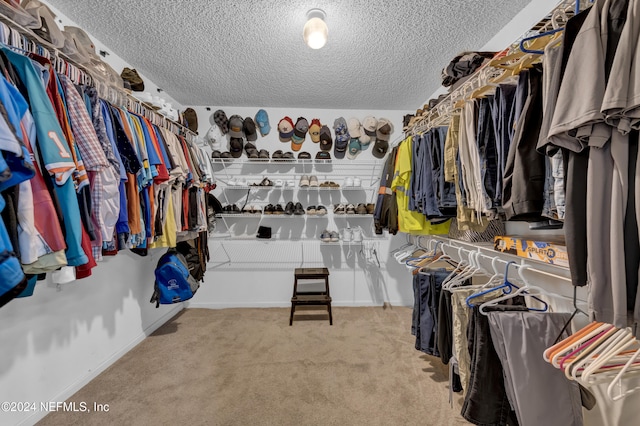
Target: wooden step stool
x=314 y=298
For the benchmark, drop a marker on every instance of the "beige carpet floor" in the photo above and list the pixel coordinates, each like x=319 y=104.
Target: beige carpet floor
x=249 y=367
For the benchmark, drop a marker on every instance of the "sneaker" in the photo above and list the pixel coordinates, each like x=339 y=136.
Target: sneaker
x=269 y=209
x=311 y=210
x=321 y=210
x=334 y=236
x=357 y=181
x=289 y=208
x=298 y=210
x=256 y=210
x=291 y=183
x=338 y=209
x=279 y=182
x=348 y=181
x=325 y=236
x=361 y=209
x=313 y=181
x=304 y=181
x=347 y=234
x=350 y=209
x=325 y=184
x=278 y=209
x=357 y=235
x=370 y=208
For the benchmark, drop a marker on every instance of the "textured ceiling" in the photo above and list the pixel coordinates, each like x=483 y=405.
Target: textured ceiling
x=381 y=54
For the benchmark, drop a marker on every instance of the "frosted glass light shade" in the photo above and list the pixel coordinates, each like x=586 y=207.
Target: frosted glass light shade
x=315 y=33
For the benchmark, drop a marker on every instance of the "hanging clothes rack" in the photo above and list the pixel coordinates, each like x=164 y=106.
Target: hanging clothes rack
x=441 y=113
x=23 y=40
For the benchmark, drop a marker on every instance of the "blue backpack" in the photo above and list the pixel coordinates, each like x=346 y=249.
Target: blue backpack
x=174 y=282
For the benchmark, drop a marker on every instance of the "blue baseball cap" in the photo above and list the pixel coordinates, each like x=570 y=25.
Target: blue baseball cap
x=262 y=120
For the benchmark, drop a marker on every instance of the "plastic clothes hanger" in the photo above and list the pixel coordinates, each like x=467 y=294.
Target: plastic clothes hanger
x=616 y=383
x=472 y=268
x=506 y=287
x=573 y=342
x=623 y=340
x=568 y=341
x=523 y=291
x=593 y=351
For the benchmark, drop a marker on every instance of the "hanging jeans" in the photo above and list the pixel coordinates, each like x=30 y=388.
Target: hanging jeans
x=427 y=286
x=503 y=116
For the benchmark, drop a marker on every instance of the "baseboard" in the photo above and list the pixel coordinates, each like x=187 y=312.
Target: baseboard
x=79 y=384
x=280 y=304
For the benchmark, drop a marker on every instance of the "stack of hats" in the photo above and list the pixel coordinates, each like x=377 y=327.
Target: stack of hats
x=314 y=130
x=354 y=143
x=383 y=134
x=299 y=133
x=369 y=125
x=236 y=141
x=325 y=139
x=220 y=119
x=342 y=137
x=285 y=129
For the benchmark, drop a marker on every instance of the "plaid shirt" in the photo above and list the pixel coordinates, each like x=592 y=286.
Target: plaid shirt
x=86 y=139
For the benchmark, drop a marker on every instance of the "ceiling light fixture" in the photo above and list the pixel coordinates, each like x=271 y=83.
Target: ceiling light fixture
x=315 y=31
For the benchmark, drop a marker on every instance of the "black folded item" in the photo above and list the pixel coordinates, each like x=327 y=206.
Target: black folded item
x=264 y=232
x=463 y=65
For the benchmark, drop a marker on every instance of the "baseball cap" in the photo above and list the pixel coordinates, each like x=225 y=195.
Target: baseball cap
x=249 y=128
x=369 y=125
x=354 y=128
x=325 y=139
x=342 y=137
x=220 y=118
x=299 y=133
x=235 y=126
x=354 y=148
x=285 y=129
x=323 y=155
x=262 y=120
x=314 y=130
x=48 y=29
x=383 y=133
x=235 y=145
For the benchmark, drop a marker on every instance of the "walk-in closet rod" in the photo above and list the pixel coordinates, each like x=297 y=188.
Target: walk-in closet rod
x=440 y=114
x=433 y=242
x=65 y=65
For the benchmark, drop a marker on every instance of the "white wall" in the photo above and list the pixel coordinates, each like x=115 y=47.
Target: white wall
x=260 y=273
x=55 y=342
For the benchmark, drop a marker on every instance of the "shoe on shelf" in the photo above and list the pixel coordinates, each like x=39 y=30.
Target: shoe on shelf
x=338 y=209
x=325 y=236
x=334 y=237
x=304 y=181
x=233 y=209
x=311 y=210
x=348 y=182
x=357 y=235
x=334 y=185
x=324 y=184
x=313 y=181
x=361 y=209
x=264 y=182
x=321 y=211
x=289 y=208
x=279 y=182
x=370 y=208
x=278 y=209
x=256 y=210
x=291 y=183
x=298 y=210
x=347 y=234
x=357 y=181
x=269 y=209
x=350 y=209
